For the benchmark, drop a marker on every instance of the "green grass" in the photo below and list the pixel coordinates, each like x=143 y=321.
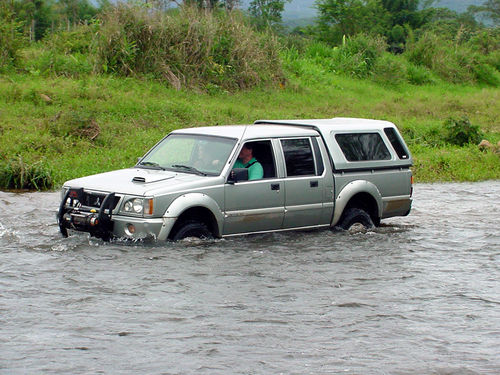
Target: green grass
x=99 y=123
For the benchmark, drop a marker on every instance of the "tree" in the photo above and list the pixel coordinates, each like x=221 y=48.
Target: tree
x=267 y=12
x=405 y=15
x=339 y=18
x=36 y=15
x=11 y=37
x=76 y=11
x=492 y=9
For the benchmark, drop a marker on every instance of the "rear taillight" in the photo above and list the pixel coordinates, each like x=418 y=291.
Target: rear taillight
x=411 y=186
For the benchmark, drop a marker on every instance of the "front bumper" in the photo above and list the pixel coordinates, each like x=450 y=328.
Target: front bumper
x=101 y=223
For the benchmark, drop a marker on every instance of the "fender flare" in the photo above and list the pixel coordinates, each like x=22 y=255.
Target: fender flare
x=185 y=202
x=349 y=191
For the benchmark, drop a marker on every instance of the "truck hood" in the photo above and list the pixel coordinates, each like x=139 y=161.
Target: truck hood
x=134 y=181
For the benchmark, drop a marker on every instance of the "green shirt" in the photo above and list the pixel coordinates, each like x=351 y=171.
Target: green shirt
x=255 y=170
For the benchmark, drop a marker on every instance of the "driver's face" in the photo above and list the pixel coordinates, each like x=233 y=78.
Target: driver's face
x=245 y=153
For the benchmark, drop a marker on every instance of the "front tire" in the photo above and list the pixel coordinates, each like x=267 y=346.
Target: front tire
x=192 y=228
x=353 y=216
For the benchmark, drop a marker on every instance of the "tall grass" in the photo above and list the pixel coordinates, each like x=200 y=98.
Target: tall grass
x=425 y=61
x=17 y=174
x=453 y=62
x=193 y=48
x=356 y=57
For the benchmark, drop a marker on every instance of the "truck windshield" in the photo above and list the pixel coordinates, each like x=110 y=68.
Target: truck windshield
x=189 y=153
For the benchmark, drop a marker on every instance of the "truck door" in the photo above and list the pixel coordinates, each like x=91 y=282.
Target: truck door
x=256 y=205
x=304 y=183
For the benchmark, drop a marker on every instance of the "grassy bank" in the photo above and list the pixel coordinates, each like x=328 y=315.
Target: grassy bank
x=61 y=128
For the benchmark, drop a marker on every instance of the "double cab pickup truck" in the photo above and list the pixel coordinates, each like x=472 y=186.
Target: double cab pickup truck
x=302 y=174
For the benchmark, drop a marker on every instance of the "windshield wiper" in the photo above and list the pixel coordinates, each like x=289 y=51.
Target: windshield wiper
x=189 y=169
x=152 y=164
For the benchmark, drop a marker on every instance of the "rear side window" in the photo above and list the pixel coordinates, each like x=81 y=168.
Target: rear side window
x=396 y=143
x=363 y=146
x=298 y=157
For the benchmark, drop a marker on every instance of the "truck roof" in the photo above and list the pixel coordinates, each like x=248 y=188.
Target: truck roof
x=346 y=123
x=288 y=128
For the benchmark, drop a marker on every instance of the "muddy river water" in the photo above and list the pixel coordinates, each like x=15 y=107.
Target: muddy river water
x=419 y=295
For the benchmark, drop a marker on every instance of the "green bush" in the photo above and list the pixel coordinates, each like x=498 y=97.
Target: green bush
x=358 y=55
x=485 y=73
x=430 y=135
x=48 y=61
x=389 y=70
x=295 y=41
x=424 y=51
x=418 y=75
x=78 y=40
x=461 y=132
x=485 y=41
x=320 y=51
x=493 y=59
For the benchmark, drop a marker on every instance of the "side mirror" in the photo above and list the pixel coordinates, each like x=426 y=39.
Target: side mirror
x=237 y=175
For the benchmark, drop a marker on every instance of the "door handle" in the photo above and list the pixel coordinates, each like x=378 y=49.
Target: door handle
x=275 y=186
x=313 y=183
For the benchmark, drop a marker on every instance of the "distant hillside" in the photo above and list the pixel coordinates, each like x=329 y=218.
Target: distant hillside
x=300 y=9
x=458 y=5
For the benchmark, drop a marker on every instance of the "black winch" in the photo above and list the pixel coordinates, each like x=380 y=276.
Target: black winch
x=77 y=212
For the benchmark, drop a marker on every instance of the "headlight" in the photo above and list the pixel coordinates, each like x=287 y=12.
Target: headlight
x=128 y=206
x=138 y=206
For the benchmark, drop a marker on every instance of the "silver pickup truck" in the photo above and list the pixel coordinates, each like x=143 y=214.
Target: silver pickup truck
x=195 y=182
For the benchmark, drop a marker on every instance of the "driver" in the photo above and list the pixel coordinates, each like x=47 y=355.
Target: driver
x=246 y=160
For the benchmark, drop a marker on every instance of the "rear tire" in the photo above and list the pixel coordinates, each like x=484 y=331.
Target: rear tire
x=353 y=216
x=192 y=228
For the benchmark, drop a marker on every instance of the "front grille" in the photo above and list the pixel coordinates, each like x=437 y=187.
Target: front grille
x=88 y=199
x=95 y=200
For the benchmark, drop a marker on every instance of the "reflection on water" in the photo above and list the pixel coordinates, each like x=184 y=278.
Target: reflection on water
x=418 y=295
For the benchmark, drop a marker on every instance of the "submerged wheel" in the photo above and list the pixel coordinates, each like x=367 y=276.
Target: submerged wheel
x=192 y=228
x=353 y=216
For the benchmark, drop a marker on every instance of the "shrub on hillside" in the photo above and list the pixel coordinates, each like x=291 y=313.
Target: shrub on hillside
x=389 y=70
x=188 y=48
x=48 y=61
x=78 y=40
x=62 y=53
x=452 y=62
x=485 y=41
x=461 y=132
x=418 y=75
x=358 y=55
